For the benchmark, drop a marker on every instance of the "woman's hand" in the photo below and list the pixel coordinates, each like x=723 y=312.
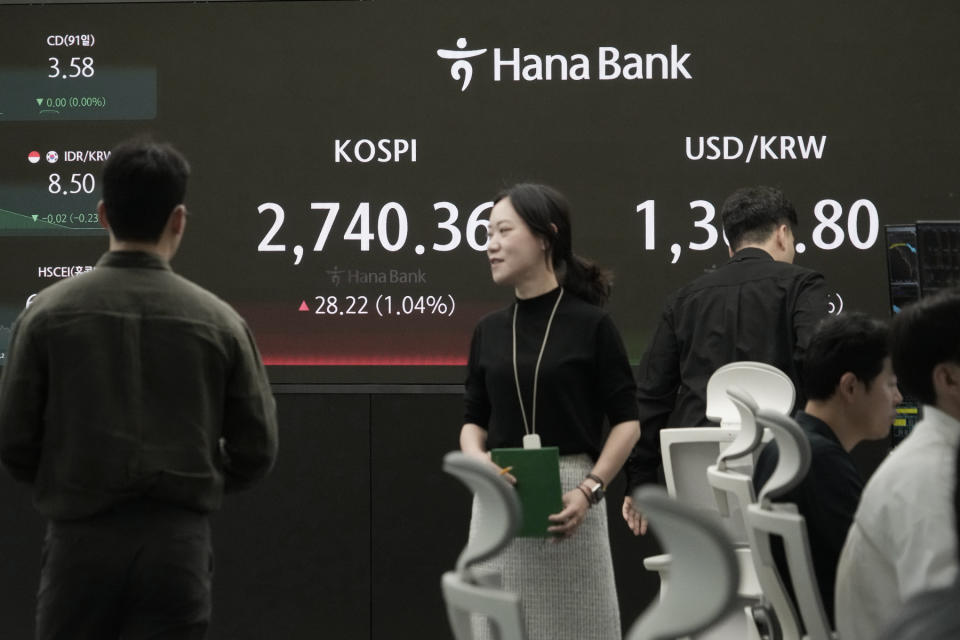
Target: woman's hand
x=503 y=472
x=635 y=519
x=473 y=442
x=575 y=507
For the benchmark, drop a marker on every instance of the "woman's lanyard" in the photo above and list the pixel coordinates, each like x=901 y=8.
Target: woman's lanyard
x=530 y=439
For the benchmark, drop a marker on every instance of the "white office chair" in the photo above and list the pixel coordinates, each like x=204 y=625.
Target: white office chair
x=688 y=452
x=465 y=590
x=767 y=518
x=704 y=572
x=769 y=387
x=749 y=434
x=733 y=493
x=725 y=482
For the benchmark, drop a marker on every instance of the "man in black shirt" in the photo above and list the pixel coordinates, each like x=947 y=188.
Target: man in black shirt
x=851 y=396
x=759 y=306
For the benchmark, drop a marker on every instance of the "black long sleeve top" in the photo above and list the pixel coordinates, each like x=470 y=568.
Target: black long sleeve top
x=584 y=375
x=751 y=308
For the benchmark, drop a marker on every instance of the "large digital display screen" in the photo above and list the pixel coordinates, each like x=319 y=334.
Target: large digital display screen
x=345 y=154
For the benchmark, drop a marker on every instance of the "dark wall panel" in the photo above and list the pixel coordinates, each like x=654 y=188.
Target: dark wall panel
x=420 y=514
x=293 y=555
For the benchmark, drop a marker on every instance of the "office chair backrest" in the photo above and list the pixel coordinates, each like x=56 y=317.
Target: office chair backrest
x=767 y=519
x=466 y=591
x=688 y=451
x=501 y=608
x=783 y=521
x=793 y=460
x=769 y=387
x=725 y=482
x=750 y=435
x=497 y=498
x=703 y=570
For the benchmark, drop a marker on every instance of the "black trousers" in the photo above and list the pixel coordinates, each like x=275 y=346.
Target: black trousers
x=140 y=571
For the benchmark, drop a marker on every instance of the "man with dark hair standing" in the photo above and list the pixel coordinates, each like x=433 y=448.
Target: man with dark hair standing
x=132 y=398
x=903 y=538
x=758 y=306
x=852 y=396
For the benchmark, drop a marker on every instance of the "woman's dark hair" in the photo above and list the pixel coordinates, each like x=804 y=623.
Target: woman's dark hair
x=547 y=213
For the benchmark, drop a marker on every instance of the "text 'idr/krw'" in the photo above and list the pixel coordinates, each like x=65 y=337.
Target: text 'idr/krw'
x=610 y=65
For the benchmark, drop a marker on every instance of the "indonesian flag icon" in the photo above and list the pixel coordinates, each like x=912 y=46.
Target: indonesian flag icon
x=33 y=157
x=52 y=156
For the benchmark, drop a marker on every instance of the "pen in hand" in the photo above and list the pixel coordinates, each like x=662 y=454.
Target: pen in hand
x=505 y=472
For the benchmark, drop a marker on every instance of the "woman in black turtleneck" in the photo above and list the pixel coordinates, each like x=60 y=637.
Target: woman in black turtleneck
x=584 y=376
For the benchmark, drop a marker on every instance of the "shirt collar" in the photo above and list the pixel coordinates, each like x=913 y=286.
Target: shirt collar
x=543 y=300
x=133 y=259
x=751 y=253
x=945 y=425
x=815 y=425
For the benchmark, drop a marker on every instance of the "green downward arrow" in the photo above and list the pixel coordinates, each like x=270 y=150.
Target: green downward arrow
x=34 y=217
x=39 y=101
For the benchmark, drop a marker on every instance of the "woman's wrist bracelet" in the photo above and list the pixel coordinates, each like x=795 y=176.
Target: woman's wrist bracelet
x=586 y=494
x=597 y=479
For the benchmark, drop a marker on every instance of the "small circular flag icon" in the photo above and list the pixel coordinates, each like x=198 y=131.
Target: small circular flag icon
x=52 y=157
x=33 y=157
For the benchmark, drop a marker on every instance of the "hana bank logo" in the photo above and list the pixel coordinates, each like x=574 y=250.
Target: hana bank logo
x=603 y=63
x=461 y=69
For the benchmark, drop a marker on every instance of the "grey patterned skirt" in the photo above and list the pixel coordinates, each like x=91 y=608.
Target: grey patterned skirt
x=567 y=589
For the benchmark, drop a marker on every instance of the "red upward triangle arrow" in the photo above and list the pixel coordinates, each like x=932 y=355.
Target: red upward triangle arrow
x=303 y=306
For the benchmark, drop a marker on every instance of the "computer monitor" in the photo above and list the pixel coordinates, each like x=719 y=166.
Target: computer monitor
x=903 y=265
x=908 y=413
x=903 y=274
x=938 y=247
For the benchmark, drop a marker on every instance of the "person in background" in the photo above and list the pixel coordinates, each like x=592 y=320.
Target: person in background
x=131 y=400
x=758 y=306
x=932 y=614
x=903 y=539
x=552 y=364
x=852 y=396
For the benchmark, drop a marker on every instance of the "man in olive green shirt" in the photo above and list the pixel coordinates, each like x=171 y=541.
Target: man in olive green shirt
x=131 y=399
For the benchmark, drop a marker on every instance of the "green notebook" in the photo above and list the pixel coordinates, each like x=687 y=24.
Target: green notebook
x=538 y=486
